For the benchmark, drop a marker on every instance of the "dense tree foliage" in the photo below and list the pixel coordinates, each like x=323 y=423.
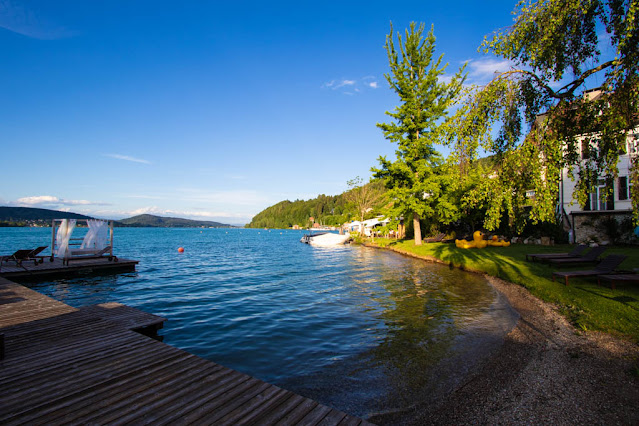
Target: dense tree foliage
x=540 y=108
x=415 y=75
x=329 y=210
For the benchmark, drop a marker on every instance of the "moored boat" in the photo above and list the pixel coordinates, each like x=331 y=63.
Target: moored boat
x=325 y=239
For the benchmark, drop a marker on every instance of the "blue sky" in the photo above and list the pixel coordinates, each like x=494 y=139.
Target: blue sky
x=211 y=110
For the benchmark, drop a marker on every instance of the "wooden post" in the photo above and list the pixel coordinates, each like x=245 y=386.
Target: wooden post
x=1 y=345
x=52 y=238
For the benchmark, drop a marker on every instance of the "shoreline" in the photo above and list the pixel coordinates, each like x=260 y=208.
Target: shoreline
x=545 y=371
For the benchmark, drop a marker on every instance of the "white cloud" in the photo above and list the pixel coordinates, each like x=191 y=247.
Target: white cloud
x=336 y=84
x=52 y=201
x=481 y=71
x=349 y=86
x=345 y=83
x=40 y=199
x=127 y=158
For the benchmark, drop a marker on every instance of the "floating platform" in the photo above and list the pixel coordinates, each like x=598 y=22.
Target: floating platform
x=29 y=270
x=64 y=365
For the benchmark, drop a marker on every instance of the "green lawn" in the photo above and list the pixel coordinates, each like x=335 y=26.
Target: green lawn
x=587 y=305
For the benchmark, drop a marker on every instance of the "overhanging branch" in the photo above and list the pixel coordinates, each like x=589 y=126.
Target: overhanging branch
x=564 y=92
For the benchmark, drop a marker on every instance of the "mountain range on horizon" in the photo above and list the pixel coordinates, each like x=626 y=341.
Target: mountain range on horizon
x=17 y=215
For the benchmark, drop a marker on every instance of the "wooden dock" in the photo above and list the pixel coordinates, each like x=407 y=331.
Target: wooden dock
x=30 y=270
x=86 y=366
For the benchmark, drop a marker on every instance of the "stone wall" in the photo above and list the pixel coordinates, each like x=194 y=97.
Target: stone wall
x=603 y=227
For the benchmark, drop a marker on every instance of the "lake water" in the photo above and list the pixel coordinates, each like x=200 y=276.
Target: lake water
x=363 y=330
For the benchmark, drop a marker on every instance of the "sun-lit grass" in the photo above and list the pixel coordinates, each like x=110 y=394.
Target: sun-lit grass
x=587 y=305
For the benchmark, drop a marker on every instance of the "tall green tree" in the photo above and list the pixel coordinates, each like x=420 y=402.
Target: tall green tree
x=541 y=109
x=416 y=75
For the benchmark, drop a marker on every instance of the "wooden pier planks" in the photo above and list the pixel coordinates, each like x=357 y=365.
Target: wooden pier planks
x=124 y=316
x=83 y=366
x=19 y=304
x=57 y=269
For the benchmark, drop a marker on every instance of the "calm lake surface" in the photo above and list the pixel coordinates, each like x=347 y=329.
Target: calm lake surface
x=363 y=330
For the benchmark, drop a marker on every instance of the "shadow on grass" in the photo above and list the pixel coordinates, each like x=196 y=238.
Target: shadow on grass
x=492 y=260
x=623 y=299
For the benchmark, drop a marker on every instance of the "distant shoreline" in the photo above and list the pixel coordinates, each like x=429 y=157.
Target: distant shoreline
x=119 y=225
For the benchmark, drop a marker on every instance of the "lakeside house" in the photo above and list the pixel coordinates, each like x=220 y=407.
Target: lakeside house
x=592 y=222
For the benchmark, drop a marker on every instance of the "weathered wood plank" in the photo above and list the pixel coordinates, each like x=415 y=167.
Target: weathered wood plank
x=316 y=416
x=120 y=392
x=221 y=407
x=148 y=399
x=189 y=401
x=83 y=376
x=281 y=410
x=298 y=413
x=196 y=404
x=124 y=316
x=103 y=394
x=255 y=406
x=350 y=421
x=332 y=418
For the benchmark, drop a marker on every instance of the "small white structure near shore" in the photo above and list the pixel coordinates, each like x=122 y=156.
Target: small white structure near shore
x=369 y=225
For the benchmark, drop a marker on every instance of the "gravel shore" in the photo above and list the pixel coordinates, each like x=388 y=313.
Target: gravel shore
x=546 y=372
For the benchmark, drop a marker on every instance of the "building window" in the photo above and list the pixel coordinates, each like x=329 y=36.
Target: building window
x=598 y=198
x=623 y=188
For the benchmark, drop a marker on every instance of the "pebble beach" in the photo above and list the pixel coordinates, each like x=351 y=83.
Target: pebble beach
x=546 y=372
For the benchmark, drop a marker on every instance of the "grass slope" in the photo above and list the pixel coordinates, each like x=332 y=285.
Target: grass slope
x=587 y=305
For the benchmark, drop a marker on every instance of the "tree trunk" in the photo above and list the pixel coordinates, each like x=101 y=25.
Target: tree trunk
x=417 y=230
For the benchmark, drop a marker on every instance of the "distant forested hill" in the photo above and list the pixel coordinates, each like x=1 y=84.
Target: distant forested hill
x=147 y=220
x=22 y=216
x=325 y=209
x=26 y=216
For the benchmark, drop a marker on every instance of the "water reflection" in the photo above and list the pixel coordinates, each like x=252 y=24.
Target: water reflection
x=421 y=319
x=359 y=329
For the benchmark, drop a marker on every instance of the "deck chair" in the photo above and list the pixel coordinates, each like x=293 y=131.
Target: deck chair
x=436 y=239
x=576 y=252
x=22 y=255
x=25 y=254
x=618 y=278
x=18 y=256
x=591 y=257
x=606 y=266
x=35 y=255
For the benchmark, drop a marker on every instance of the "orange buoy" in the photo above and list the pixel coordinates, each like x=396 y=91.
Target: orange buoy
x=181 y=250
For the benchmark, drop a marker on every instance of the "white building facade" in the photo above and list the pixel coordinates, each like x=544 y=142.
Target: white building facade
x=583 y=220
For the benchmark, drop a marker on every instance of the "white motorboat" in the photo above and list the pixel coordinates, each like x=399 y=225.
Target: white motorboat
x=325 y=239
